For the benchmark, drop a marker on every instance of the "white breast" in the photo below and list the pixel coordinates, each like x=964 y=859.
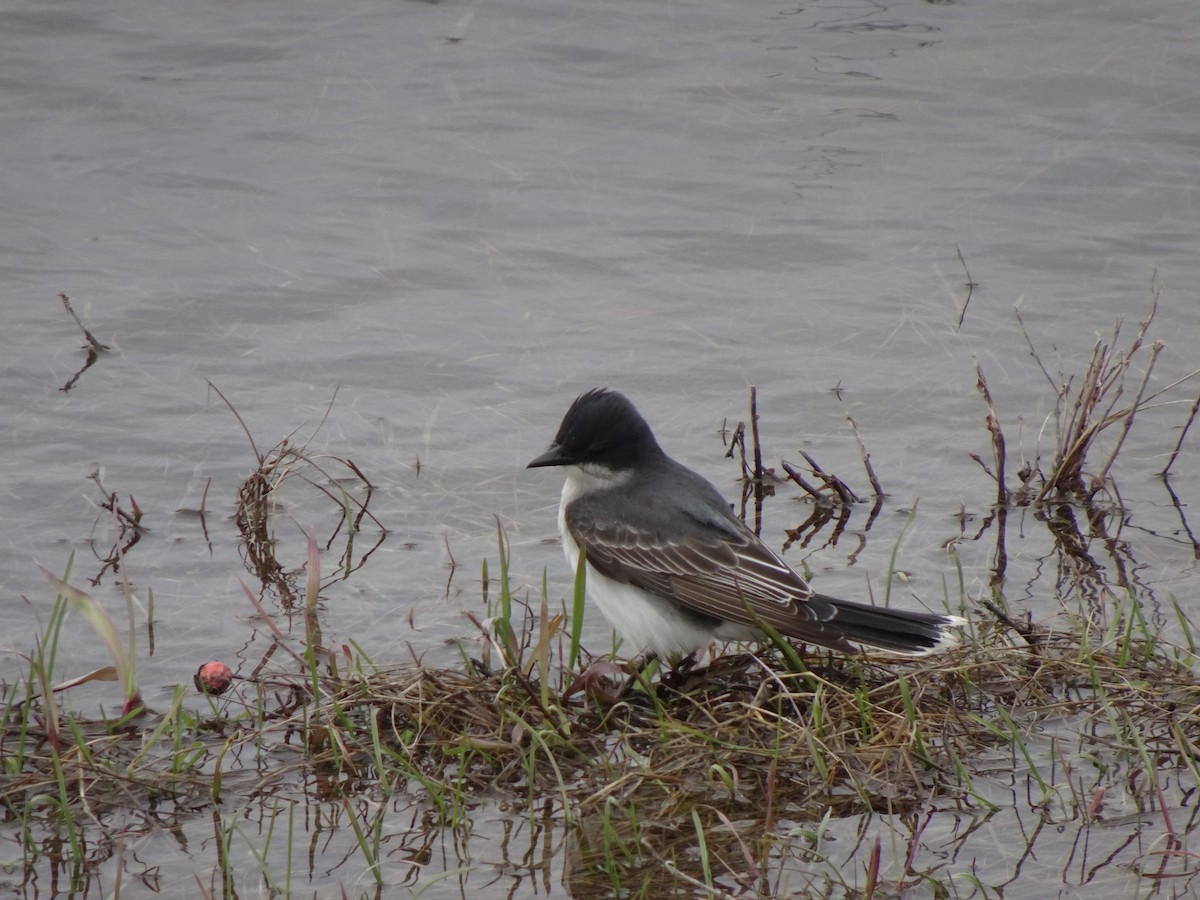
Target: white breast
x=645 y=621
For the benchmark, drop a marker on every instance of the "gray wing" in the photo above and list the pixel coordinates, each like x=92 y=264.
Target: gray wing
x=711 y=564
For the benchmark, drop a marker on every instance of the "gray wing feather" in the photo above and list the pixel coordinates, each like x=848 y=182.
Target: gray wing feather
x=716 y=568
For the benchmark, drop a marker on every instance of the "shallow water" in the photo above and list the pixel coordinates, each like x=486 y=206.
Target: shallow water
x=456 y=216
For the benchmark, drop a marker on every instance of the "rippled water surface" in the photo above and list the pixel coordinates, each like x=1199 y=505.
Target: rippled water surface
x=410 y=233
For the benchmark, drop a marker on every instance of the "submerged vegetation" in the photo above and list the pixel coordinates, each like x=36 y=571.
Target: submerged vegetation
x=763 y=774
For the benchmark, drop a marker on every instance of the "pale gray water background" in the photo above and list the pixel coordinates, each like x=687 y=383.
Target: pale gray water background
x=675 y=199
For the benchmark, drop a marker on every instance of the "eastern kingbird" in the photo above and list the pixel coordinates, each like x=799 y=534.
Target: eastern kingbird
x=670 y=565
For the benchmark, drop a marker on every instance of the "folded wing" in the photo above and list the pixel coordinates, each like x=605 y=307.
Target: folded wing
x=716 y=568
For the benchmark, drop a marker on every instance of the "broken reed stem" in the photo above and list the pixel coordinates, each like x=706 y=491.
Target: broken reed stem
x=738 y=439
x=88 y=336
x=831 y=481
x=794 y=475
x=862 y=448
x=1182 y=434
x=970 y=285
x=1036 y=356
x=1155 y=349
x=993 y=427
x=1081 y=430
x=758 y=467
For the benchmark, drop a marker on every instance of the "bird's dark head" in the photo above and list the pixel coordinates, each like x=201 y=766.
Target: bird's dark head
x=602 y=428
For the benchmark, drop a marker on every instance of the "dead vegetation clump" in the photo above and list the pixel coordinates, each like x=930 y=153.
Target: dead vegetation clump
x=1092 y=416
x=260 y=505
x=747 y=749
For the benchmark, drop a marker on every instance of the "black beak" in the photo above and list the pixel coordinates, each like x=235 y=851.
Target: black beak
x=552 y=457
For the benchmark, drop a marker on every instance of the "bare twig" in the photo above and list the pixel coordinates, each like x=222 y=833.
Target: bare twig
x=971 y=284
x=94 y=347
x=1187 y=529
x=993 y=427
x=1182 y=434
x=88 y=336
x=1127 y=418
x=795 y=475
x=866 y=458
x=832 y=482
x=1033 y=351
x=738 y=440
x=758 y=467
x=1025 y=630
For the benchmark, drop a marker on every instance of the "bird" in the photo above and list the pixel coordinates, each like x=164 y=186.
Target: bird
x=673 y=569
